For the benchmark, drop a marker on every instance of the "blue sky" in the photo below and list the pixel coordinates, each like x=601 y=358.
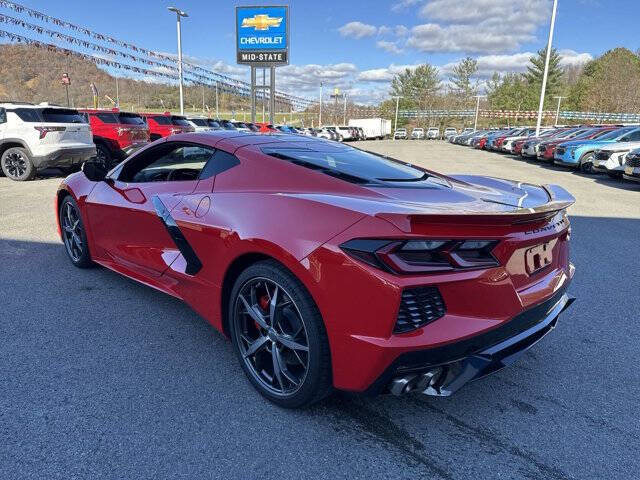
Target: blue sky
x=358 y=45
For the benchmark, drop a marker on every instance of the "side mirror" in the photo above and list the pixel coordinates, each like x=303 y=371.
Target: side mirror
x=94 y=171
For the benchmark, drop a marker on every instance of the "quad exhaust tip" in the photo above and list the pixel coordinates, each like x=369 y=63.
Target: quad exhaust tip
x=422 y=382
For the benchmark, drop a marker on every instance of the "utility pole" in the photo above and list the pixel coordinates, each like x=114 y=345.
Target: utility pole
x=217 y=114
x=179 y=14
x=477 y=97
x=344 y=115
x=320 y=115
x=546 y=67
x=117 y=94
x=397 y=97
x=558 y=109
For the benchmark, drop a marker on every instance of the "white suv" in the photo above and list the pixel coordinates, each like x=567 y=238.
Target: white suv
x=201 y=124
x=433 y=133
x=417 y=133
x=35 y=137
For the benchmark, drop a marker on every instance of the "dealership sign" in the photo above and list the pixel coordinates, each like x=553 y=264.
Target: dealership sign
x=262 y=35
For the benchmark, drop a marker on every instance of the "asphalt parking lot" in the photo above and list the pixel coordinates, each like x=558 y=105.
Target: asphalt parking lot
x=103 y=377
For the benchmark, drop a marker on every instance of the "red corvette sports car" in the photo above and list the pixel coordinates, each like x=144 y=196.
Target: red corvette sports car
x=327 y=266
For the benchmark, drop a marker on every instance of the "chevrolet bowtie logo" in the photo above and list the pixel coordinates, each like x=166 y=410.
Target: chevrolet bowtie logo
x=261 y=22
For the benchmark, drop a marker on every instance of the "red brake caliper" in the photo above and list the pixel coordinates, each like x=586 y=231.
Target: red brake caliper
x=264 y=305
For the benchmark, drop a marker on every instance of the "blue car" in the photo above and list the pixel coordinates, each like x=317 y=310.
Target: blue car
x=579 y=153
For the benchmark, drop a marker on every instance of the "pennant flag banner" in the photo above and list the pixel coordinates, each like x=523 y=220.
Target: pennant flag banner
x=163 y=65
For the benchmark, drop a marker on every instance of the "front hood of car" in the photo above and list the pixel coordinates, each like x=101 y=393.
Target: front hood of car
x=621 y=146
x=580 y=143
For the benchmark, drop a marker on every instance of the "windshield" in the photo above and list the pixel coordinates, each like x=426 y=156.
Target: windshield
x=162 y=120
x=213 y=123
x=615 y=134
x=130 y=118
x=200 y=122
x=181 y=121
x=350 y=164
x=50 y=115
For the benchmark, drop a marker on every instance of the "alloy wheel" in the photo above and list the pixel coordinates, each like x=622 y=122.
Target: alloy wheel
x=15 y=164
x=271 y=335
x=72 y=231
x=102 y=159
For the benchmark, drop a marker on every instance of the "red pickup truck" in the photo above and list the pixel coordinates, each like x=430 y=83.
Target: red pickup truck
x=116 y=134
x=164 y=124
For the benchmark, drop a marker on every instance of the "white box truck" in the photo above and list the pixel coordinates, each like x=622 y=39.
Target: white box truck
x=373 y=127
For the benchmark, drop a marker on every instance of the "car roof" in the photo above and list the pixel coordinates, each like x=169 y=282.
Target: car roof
x=231 y=140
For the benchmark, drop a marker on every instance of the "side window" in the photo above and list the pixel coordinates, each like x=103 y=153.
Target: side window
x=107 y=117
x=170 y=161
x=3 y=115
x=634 y=136
x=220 y=162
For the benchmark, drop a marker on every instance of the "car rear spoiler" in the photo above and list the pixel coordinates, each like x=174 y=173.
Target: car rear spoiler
x=559 y=200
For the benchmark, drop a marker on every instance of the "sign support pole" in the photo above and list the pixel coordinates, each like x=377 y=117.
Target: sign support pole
x=272 y=95
x=253 y=94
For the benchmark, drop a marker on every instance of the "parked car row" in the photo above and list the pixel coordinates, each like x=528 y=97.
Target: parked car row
x=419 y=133
x=610 y=149
x=36 y=137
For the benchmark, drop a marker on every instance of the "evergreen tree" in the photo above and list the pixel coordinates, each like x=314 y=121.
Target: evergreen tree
x=535 y=73
x=461 y=77
x=418 y=86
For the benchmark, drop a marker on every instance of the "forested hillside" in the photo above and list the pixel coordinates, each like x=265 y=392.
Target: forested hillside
x=33 y=74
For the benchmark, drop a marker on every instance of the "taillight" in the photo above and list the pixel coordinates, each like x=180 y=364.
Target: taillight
x=423 y=256
x=44 y=130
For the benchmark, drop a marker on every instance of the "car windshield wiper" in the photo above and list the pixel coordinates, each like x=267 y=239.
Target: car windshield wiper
x=414 y=179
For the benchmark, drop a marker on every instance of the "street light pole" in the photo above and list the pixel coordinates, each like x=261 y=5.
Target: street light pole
x=344 y=115
x=320 y=116
x=558 y=109
x=546 y=67
x=477 y=97
x=179 y=14
x=217 y=113
x=397 y=97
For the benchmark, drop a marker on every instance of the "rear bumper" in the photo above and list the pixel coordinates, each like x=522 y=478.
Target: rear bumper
x=64 y=157
x=441 y=371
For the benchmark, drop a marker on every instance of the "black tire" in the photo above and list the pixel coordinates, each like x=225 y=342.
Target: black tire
x=75 y=240
x=103 y=157
x=316 y=383
x=17 y=165
x=586 y=163
x=72 y=169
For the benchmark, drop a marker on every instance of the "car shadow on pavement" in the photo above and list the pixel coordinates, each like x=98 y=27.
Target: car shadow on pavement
x=100 y=372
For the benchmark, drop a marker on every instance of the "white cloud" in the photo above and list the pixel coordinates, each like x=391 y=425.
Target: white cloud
x=357 y=30
x=517 y=62
x=506 y=12
x=390 y=47
x=571 y=58
x=476 y=26
x=385 y=74
x=384 y=30
x=432 y=37
x=402 y=4
x=401 y=31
